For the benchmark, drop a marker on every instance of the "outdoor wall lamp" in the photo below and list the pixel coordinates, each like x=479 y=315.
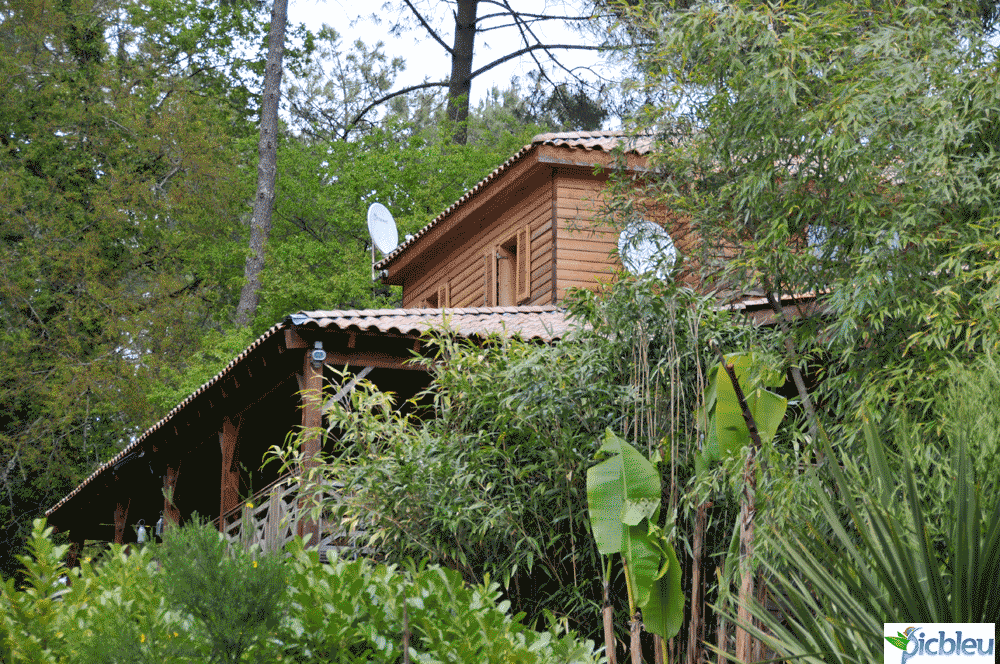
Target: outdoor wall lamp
x=318 y=355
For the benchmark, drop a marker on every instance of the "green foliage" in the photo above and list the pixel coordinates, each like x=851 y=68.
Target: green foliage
x=216 y=350
x=234 y=595
x=495 y=483
x=191 y=600
x=883 y=563
x=722 y=416
x=116 y=169
x=623 y=500
x=112 y=612
x=324 y=192
x=870 y=128
x=487 y=472
x=353 y=611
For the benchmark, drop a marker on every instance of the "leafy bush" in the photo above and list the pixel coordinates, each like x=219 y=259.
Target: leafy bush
x=353 y=611
x=198 y=603
x=235 y=595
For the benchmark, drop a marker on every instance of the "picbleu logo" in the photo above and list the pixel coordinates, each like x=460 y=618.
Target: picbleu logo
x=974 y=643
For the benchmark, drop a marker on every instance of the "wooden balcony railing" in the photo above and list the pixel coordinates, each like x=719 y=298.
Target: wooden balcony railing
x=273 y=520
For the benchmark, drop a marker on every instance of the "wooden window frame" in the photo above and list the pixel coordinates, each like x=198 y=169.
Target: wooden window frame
x=517 y=249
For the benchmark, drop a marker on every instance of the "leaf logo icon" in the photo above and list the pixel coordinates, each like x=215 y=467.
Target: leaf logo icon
x=901 y=639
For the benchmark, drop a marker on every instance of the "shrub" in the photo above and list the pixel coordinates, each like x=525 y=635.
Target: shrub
x=206 y=604
x=353 y=611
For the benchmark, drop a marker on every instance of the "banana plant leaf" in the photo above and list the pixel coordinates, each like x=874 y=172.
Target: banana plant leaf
x=623 y=496
x=727 y=431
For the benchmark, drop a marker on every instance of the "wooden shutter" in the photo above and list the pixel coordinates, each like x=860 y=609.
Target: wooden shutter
x=490 y=277
x=523 y=267
x=444 y=299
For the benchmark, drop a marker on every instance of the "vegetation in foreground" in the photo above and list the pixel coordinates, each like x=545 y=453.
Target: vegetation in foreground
x=191 y=600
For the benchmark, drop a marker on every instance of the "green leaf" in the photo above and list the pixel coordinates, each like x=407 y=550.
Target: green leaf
x=664 y=612
x=619 y=488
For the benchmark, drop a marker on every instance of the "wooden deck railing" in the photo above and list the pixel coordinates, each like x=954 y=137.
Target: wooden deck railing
x=272 y=521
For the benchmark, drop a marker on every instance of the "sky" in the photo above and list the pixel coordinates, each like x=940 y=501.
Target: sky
x=425 y=57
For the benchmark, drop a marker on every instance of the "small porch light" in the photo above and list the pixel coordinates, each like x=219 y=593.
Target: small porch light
x=318 y=355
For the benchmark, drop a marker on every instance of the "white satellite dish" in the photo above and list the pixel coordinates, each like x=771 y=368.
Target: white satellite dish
x=645 y=247
x=382 y=228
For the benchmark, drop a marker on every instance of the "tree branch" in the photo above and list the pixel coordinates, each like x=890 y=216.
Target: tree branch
x=541 y=17
x=403 y=91
x=528 y=49
x=428 y=28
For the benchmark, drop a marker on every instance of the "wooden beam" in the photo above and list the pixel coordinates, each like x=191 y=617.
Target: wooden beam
x=230 y=482
x=171 y=515
x=372 y=359
x=121 y=516
x=294 y=340
x=311 y=383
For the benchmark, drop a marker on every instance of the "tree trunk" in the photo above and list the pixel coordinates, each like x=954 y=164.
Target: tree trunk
x=267 y=167
x=460 y=82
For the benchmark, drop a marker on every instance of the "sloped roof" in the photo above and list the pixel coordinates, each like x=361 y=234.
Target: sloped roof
x=595 y=141
x=544 y=323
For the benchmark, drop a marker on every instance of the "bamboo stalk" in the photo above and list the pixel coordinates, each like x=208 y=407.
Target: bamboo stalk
x=609 y=635
x=406 y=632
x=721 y=638
x=758 y=651
x=695 y=626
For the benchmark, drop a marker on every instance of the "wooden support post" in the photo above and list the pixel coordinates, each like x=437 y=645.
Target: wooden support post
x=171 y=515
x=230 y=482
x=121 y=516
x=75 y=546
x=312 y=422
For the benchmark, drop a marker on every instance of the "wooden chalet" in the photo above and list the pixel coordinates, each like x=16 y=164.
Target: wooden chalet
x=500 y=260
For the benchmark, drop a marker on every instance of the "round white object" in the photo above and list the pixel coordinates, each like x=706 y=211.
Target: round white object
x=382 y=228
x=645 y=247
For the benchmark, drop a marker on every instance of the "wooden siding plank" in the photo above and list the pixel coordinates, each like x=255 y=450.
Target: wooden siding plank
x=599 y=259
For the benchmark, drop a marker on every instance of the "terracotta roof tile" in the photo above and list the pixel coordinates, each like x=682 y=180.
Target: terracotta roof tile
x=600 y=141
x=597 y=140
x=546 y=323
